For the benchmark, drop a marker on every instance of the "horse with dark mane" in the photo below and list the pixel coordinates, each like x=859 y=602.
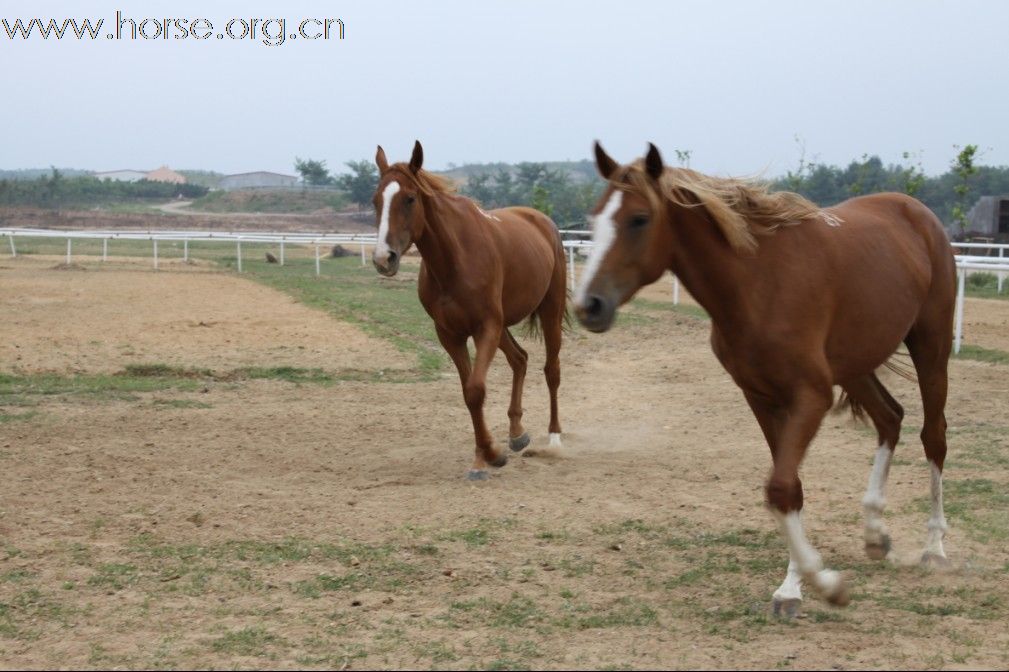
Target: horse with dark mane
x=480 y=273
x=801 y=299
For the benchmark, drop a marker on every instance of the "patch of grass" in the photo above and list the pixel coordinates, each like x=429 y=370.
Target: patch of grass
x=977 y=505
x=687 y=309
x=180 y=403
x=476 y=536
x=326 y=583
x=19 y=389
x=984 y=285
x=251 y=641
x=162 y=371
x=384 y=307
x=625 y=612
x=979 y=444
x=979 y=354
x=114 y=576
x=17 y=417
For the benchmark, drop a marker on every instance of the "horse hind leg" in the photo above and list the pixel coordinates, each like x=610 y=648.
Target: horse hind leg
x=868 y=394
x=517 y=358
x=930 y=348
x=551 y=316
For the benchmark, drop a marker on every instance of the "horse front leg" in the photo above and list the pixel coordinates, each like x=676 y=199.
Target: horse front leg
x=797 y=428
x=475 y=391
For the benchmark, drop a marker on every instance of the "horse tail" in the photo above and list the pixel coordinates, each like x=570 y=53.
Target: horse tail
x=902 y=369
x=532 y=328
x=845 y=402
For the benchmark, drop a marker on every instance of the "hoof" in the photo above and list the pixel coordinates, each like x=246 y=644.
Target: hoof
x=786 y=608
x=500 y=461
x=477 y=475
x=930 y=559
x=879 y=551
x=519 y=442
x=840 y=597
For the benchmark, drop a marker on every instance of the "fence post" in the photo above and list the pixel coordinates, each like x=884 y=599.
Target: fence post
x=318 y=271
x=571 y=266
x=68 y=251
x=155 y=253
x=105 y=249
x=281 y=251
x=1002 y=273
x=363 y=262
x=238 y=244
x=185 y=250
x=958 y=337
x=14 y=251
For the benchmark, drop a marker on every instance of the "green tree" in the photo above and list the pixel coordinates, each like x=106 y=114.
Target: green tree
x=912 y=176
x=963 y=168
x=541 y=200
x=360 y=182
x=313 y=172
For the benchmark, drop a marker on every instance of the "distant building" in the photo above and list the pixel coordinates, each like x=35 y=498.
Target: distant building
x=166 y=174
x=122 y=175
x=260 y=179
x=989 y=216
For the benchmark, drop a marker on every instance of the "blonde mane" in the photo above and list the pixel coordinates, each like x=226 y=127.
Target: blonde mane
x=742 y=209
x=427 y=183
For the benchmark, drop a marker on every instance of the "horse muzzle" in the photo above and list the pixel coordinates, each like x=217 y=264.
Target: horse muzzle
x=596 y=313
x=386 y=264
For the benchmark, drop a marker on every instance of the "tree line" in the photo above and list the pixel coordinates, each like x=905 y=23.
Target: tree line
x=568 y=191
x=56 y=191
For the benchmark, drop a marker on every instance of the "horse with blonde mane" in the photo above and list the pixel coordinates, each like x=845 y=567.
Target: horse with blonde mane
x=801 y=299
x=480 y=273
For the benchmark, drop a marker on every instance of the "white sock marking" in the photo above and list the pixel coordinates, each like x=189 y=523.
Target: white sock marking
x=555 y=440
x=937 y=522
x=874 y=501
x=791 y=587
x=382 y=247
x=604 y=232
x=807 y=560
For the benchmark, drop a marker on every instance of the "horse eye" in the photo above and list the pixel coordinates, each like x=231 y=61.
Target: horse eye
x=637 y=221
x=410 y=200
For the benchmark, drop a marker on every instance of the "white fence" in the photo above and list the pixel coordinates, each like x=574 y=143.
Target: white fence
x=997 y=262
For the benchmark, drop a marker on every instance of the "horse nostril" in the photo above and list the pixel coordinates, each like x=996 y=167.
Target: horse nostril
x=594 y=306
x=392 y=257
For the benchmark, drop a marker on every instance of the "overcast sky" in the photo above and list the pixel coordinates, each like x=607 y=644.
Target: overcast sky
x=733 y=82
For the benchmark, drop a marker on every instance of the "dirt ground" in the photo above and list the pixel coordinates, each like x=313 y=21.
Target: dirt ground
x=86 y=321
x=276 y=525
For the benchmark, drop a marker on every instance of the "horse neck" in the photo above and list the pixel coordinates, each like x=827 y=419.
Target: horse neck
x=713 y=273
x=439 y=244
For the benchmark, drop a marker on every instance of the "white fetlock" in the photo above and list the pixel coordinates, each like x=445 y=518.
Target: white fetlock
x=555 y=440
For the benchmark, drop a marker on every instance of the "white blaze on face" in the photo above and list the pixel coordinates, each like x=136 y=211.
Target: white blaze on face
x=603 y=234
x=382 y=248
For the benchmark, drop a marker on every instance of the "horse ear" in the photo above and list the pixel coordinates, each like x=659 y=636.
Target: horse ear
x=653 y=162
x=380 y=160
x=417 y=160
x=604 y=164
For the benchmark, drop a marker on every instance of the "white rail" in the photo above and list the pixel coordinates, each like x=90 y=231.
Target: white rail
x=238 y=237
x=964 y=263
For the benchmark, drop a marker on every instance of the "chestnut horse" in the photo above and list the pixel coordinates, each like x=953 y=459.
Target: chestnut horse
x=801 y=299
x=480 y=273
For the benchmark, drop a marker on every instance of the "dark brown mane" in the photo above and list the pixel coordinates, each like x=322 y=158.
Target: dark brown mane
x=741 y=208
x=427 y=183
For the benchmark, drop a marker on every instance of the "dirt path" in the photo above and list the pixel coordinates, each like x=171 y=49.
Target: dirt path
x=275 y=525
